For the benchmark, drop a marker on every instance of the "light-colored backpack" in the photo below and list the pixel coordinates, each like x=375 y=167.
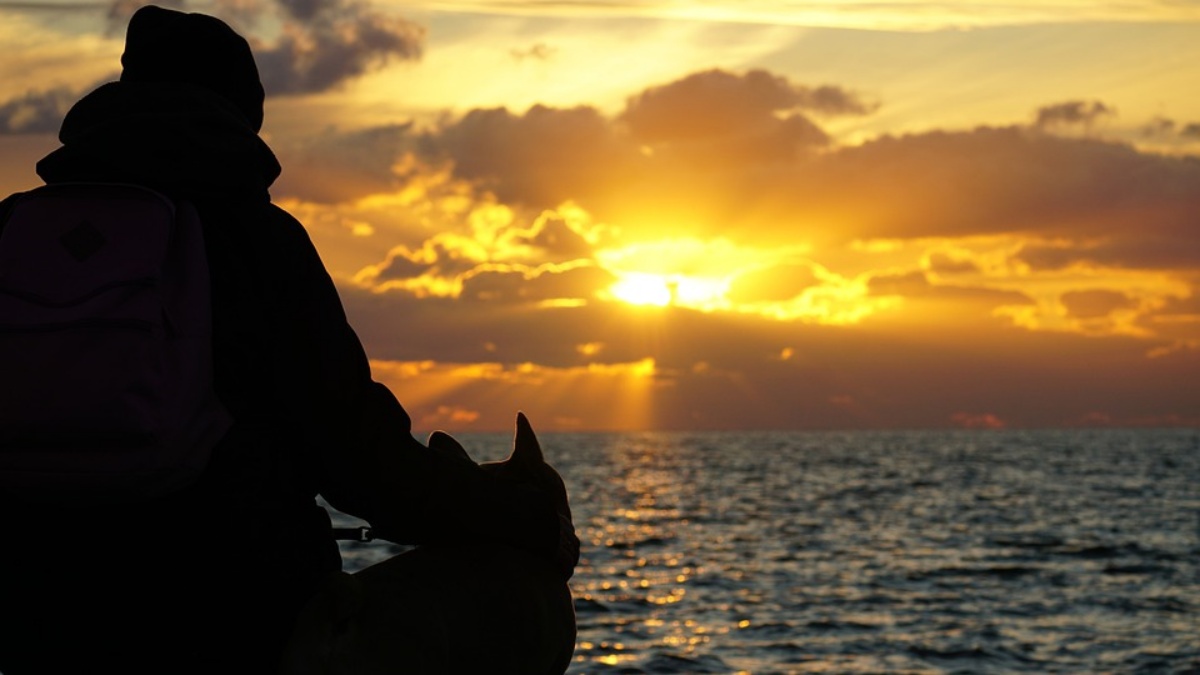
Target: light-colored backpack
x=106 y=367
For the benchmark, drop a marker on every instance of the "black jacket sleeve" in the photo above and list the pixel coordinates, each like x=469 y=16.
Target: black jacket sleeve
x=366 y=461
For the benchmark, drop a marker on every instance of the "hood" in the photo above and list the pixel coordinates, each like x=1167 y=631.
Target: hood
x=178 y=138
x=163 y=45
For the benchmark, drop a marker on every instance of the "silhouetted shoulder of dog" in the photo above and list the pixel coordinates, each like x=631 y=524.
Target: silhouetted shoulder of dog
x=466 y=608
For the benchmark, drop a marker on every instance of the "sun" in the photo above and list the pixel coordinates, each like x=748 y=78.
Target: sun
x=637 y=288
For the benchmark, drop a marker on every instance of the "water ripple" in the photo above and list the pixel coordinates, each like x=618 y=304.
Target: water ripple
x=974 y=552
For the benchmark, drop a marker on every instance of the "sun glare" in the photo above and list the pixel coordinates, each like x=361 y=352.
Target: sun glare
x=661 y=290
x=637 y=288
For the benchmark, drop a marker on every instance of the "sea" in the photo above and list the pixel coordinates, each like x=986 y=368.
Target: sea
x=1064 y=551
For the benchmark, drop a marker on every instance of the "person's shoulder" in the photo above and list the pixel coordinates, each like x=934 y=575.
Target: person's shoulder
x=6 y=206
x=255 y=220
x=286 y=225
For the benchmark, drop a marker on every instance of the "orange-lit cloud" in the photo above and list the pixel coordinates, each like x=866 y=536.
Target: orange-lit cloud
x=977 y=420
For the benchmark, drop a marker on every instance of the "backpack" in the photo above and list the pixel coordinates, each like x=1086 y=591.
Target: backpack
x=106 y=373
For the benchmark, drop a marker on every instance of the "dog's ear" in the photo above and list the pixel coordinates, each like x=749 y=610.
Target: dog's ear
x=526 y=449
x=444 y=442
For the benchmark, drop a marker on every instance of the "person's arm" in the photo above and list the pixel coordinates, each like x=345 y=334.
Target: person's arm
x=369 y=465
x=413 y=494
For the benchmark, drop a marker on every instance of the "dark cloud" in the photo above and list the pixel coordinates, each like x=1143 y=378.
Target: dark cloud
x=41 y=5
x=578 y=282
x=342 y=166
x=1133 y=249
x=717 y=103
x=916 y=285
x=989 y=181
x=1095 y=303
x=545 y=156
x=1159 y=127
x=438 y=257
x=119 y=12
x=321 y=44
x=556 y=240
x=758 y=187
x=906 y=284
x=306 y=10
x=326 y=42
x=37 y=112
x=401 y=264
x=1189 y=306
x=540 y=158
x=1083 y=113
x=1191 y=130
x=940 y=263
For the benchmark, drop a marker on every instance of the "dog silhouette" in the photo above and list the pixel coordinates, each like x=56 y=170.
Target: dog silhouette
x=439 y=609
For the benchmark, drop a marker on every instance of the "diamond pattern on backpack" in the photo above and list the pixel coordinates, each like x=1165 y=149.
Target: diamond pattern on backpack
x=82 y=241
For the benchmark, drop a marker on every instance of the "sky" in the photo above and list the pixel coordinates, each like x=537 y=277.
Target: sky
x=760 y=214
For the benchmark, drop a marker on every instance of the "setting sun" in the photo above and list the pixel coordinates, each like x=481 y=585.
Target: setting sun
x=643 y=289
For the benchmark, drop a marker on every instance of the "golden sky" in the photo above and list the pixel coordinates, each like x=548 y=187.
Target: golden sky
x=658 y=214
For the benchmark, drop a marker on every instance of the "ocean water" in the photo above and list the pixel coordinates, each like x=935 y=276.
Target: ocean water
x=905 y=552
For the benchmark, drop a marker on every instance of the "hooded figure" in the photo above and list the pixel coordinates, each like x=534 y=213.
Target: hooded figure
x=210 y=579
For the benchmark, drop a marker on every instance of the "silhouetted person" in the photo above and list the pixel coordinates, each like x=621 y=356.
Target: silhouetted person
x=210 y=579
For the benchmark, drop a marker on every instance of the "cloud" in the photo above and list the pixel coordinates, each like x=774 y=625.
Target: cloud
x=1096 y=303
x=945 y=264
x=977 y=420
x=497 y=259
x=555 y=238
x=307 y=46
x=1072 y=113
x=336 y=166
x=987 y=225
x=917 y=285
x=1159 y=127
x=120 y=11
x=314 y=46
x=446 y=255
x=540 y=158
x=1131 y=250
x=1181 y=307
x=717 y=103
x=36 y=112
x=517 y=284
x=1191 y=130
x=727 y=369
x=989 y=181
x=537 y=52
x=773 y=284
x=323 y=43
x=738 y=170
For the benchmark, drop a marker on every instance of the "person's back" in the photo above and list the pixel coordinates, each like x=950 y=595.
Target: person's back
x=208 y=574
x=210 y=578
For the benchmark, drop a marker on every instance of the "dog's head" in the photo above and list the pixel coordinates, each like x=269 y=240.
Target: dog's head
x=525 y=466
x=527 y=469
